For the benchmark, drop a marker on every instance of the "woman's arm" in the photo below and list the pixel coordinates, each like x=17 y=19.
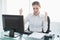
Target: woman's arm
x=45 y=22
x=20 y=12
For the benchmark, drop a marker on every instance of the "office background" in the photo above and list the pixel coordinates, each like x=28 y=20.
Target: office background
x=51 y=6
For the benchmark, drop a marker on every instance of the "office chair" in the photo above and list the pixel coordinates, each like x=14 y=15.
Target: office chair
x=48 y=30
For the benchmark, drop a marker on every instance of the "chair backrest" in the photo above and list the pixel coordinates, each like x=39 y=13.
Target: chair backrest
x=48 y=25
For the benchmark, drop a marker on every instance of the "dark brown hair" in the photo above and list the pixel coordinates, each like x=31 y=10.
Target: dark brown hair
x=36 y=3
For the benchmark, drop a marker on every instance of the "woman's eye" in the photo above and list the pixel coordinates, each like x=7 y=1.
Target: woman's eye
x=33 y=8
x=36 y=8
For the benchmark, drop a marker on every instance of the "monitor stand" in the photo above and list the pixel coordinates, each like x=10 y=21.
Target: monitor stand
x=11 y=33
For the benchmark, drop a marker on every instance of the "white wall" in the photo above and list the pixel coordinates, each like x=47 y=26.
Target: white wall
x=0 y=13
x=1 y=27
x=13 y=7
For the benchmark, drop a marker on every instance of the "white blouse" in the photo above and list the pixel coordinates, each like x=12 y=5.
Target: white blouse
x=36 y=23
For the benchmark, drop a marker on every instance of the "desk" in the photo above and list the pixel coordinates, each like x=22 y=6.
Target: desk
x=25 y=37
x=20 y=37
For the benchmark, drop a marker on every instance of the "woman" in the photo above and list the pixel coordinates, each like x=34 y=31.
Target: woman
x=37 y=22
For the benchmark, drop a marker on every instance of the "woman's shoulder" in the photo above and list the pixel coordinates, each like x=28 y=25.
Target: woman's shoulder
x=30 y=14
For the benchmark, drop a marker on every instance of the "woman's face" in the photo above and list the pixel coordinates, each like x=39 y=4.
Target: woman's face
x=36 y=8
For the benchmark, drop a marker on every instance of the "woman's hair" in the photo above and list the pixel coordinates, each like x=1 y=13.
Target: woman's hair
x=36 y=3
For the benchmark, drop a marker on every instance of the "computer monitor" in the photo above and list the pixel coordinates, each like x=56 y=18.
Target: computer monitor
x=13 y=23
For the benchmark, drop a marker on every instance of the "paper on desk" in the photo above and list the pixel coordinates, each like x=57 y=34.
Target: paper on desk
x=37 y=35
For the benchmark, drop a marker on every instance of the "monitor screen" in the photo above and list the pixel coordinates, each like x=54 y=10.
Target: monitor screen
x=14 y=22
